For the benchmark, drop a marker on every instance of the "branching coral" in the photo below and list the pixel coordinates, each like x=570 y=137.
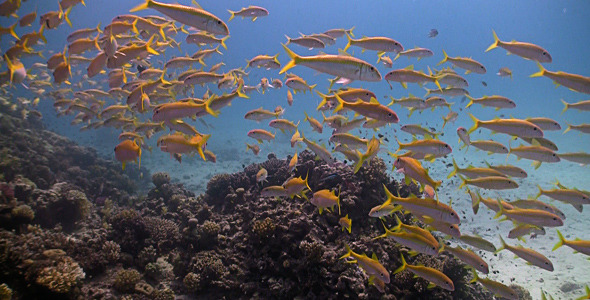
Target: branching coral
x=61 y=277
x=125 y=280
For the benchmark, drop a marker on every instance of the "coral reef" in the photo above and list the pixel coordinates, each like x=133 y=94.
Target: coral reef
x=75 y=226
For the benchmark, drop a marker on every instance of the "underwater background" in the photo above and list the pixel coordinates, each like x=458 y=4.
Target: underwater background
x=198 y=229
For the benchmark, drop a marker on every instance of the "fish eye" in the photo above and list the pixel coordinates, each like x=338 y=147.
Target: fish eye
x=534 y=128
x=452 y=214
x=482 y=67
x=389 y=114
x=554 y=219
x=544 y=53
x=367 y=94
x=553 y=154
x=218 y=22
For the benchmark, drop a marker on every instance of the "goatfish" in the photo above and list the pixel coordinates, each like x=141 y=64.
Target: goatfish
x=413 y=169
x=468 y=257
x=514 y=127
x=383 y=210
x=373 y=109
x=535 y=152
x=524 y=50
x=581 y=158
x=536 y=204
x=415 y=241
x=342 y=66
x=415 y=52
x=574 y=82
x=424 y=206
x=403 y=76
x=531 y=256
x=296 y=186
x=545 y=123
x=314 y=123
x=249 y=12
x=371 y=266
x=468 y=64
x=191 y=16
x=260 y=114
x=570 y=196
x=523 y=229
x=535 y=217
x=372 y=150
x=432 y=148
x=578 y=245
x=350 y=95
x=509 y=170
x=490 y=182
x=495 y=101
x=446 y=228
x=180 y=109
x=320 y=151
x=492 y=204
x=434 y=276
x=261 y=135
x=381 y=44
x=582 y=105
x=490 y=146
x=473 y=172
x=416 y=129
x=497 y=288
x=477 y=242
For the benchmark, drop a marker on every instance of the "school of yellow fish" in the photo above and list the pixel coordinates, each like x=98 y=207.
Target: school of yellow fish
x=111 y=52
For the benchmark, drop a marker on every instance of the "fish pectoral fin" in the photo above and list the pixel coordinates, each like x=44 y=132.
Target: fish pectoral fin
x=431 y=285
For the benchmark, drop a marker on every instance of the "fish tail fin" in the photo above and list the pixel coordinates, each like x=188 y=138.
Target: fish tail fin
x=148 y=46
x=475 y=277
x=208 y=107
x=294 y=59
x=348 y=252
x=403 y=266
x=569 y=127
x=495 y=43
x=311 y=87
x=233 y=15
x=396 y=57
x=502 y=246
x=223 y=42
x=398 y=226
x=349 y=31
x=541 y=71
x=500 y=209
x=560 y=242
x=340 y=105
x=566 y=106
x=11 y=29
x=362 y=159
x=476 y=123
x=161 y=31
x=324 y=99
x=444 y=59
x=141 y=6
x=455 y=169
x=288 y=40
x=41 y=30
x=470 y=101
x=463 y=182
x=349 y=42
x=438 y=85
x=66 y=16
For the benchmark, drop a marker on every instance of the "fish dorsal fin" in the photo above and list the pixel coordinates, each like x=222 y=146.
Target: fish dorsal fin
x=374 y=256
x=373 y=100
x=196 y=4
x=410 y=67
x=343 y=52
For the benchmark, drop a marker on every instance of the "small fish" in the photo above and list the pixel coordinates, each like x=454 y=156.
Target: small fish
x=524 y=50
x=584 y=128
x=530 y=255
x=416 y=129
x=292 y=163
x=307 y=42
x=524 y=229
x=295 y=138
x=255 y=148
x=491 y=101
x=373 y=109
x=424 y=206
x=432 y=148
x=578 y=245
x=463 y=137
x=274 y=191
x=261 y=135
x=466 y=63
x=574 y=82
x=261 y=175
x=535 y=217
x=128 y=150
x=251 y=11
x=433 y=33
x=372 y=150
x=582 y=105
x=434 y=276
x=370 y=265
x=497 y=288
x=478 y=242
x=450 y=117
x=509 y=170
x=515 y=127
x=468 y=257
x=346 y=223
x=473 y=172
x=289 y=98
x=343 y=66
x=339 y=32
x=417 y=242
x=380 y=44
x=413 y=169
x=385 y=60
x=326 y=199
x=504 y=72
x=314 y=123
x=191 y=16
x=536 y=204
x=490 y=146
x=296 y=186
x=320 y=151
x=415 y=52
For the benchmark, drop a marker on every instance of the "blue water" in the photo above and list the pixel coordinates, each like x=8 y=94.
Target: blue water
x=465 y=29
